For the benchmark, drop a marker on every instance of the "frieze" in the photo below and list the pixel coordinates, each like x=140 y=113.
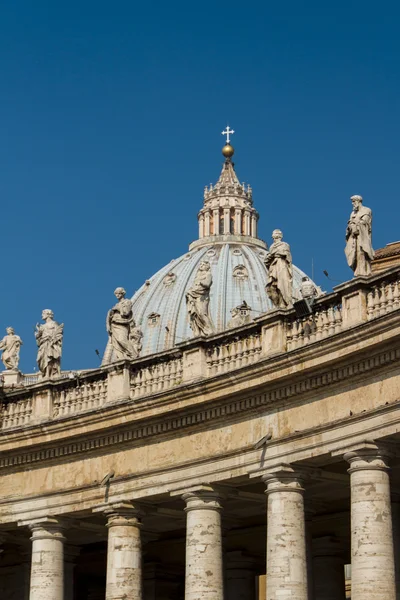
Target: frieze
x=201 y=417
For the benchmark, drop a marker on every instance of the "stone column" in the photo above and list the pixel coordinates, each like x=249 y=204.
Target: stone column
x=47 y=568
x=253 y=225
x=240 y=576
x=372 y=557
x=216 y=221
x=201 y=226
x=207 y=224
x=328 y=569
x=204 y=570
x=227 y=220
x=238 y=222
x=286 y=539
x=124 y=553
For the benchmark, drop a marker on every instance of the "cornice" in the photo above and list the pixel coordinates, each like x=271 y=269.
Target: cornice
x=199 y=417
x=210 y=391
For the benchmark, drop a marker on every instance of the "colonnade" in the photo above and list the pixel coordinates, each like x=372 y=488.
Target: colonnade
x=372 y=554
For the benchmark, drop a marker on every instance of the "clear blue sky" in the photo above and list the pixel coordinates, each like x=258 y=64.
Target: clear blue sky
x=111 y=116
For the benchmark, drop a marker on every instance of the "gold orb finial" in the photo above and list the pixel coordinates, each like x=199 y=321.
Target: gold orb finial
x=228 y=151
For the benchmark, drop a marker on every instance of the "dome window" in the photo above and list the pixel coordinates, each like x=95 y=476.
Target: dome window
x=240 y=272
x=153 y=319
x=169 y=279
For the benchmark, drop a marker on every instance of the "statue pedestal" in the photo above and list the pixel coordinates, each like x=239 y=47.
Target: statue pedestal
x=11 y=377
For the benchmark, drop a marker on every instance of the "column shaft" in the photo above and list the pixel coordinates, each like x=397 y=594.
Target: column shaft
x=372 y=564
x=47 y=570
x=204 y=571
x=286 y=540
x=124 y=554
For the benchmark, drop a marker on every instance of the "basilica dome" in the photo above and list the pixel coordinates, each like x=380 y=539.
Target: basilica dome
x=228 y=241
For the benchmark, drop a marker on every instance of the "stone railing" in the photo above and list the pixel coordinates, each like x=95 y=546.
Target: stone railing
x=80 y=396
x=234 y=353
x=156 y=377
x=352 y=304
x=325 y=320
x=16 y=414
x=383 y=298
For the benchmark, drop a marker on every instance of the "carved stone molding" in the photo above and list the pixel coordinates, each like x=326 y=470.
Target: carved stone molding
x=198 y=417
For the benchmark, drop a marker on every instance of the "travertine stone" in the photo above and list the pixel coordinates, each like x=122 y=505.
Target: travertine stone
x=49 y=338
x=328 y=569
x=358 y=250
x=286 y=540
x=280 y=272
x=240 y=576
x=124 y=553
x=198 y=300
x=372 y=563
x=204 y=571
x=47 y=569
x=10 y=344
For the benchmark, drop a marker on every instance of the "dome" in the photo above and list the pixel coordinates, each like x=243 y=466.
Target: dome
x=228 y=240
x=239 y=275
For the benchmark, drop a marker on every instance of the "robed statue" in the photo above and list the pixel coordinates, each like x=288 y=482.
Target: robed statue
x=198 y=301
x=49 y=337
x=280 y=272
x=10 y=344
x=358 y=250
x=125 y=337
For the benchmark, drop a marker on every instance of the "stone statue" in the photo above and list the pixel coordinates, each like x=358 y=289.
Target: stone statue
x=10 y=344
x=308 y=289
x=240 y=315
x=359 y=252
x=280 y=272
x=125 y=337
x=198 y=300
x=49 y=338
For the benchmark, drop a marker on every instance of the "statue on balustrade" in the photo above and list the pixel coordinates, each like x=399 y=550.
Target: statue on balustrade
x=49 y=338
x=198 y=300
x=280 y=272
x=125 y=337
x=10 y=344
x=359 y=252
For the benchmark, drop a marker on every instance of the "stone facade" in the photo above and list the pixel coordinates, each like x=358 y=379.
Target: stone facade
x=151 y=475
x=256 y=462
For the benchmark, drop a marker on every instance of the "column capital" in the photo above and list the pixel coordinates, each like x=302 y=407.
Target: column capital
x=45 y=528
x=283 y=478
x=201 y=497
x=121 y=513
x=367 y=456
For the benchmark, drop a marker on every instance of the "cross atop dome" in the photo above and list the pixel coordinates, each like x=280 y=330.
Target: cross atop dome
x=228 y=211
x=227 y=132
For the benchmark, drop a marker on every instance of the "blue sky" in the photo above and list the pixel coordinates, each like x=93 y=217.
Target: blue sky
x=110 y=125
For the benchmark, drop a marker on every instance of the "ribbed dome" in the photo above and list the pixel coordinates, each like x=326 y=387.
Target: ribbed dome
x=239 y=274
x=228 y=241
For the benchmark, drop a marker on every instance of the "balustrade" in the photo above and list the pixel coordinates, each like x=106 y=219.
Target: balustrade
x=73 y=393
x=79 y=397
x=233 y=354
x=384 y=297
x=324 y=322
x=16 y=414
x=156 y=377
